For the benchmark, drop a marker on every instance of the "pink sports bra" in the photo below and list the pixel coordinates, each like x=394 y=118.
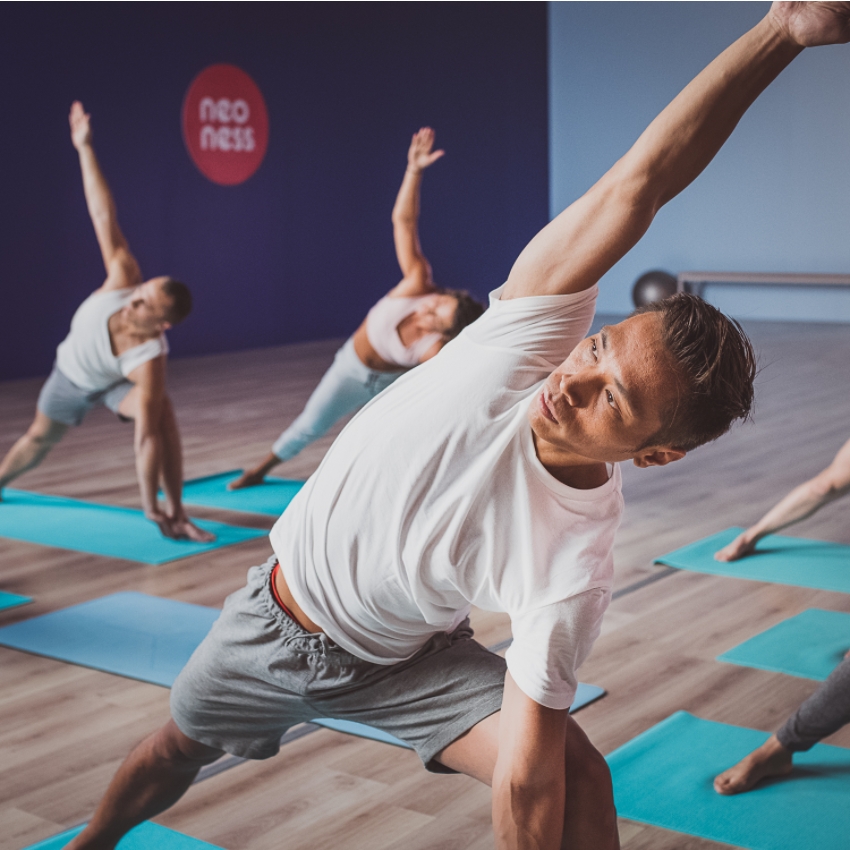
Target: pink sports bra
x=382 y=331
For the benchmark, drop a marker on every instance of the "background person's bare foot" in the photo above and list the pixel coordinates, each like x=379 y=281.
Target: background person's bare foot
x=249 y=478
x=770 y=759
x=187 y=530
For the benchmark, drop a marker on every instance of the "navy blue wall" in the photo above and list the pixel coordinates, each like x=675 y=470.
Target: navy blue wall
x=302 y=249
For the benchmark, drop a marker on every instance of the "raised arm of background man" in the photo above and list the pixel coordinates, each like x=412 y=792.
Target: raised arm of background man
x=415 y=268
x=570 y=255
x=827 y=486
x=157 y=439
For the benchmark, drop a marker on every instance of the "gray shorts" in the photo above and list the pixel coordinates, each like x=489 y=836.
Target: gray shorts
x=258 y=672
x=63 y=401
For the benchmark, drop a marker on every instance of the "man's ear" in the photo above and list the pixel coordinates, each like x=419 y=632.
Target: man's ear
x=164 y=326
x=657 y=457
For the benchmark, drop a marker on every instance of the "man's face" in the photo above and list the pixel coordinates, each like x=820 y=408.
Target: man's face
x=607 y=398
x=149 y=306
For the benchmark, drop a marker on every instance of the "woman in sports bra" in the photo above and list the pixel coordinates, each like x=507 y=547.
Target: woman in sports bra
x=409 y=325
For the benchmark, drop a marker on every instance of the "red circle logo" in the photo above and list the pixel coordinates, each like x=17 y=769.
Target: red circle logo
x=225 y=124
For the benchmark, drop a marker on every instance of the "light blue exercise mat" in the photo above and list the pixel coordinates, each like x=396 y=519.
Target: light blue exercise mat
x=12 y=600
x=103 y=529
x=270 y=498
x=809 y=645
x=132 y=634
x=146 y=836
x=778 y=559
x=585 y=694
x=150 y=639
x=664 y=778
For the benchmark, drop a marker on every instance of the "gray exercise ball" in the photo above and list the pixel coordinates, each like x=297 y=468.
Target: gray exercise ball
x=653 y=286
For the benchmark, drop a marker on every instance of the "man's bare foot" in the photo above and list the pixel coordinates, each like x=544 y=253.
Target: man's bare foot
x=249 y=478
x=770 y=759
x=813 y=24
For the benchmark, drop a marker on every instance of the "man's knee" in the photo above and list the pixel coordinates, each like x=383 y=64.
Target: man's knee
x=181 y=753
x=45 y=432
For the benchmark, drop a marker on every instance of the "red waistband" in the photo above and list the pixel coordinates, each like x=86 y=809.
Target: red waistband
x=277 y=598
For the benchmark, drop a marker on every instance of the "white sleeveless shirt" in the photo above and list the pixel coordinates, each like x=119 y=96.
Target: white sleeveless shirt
x=382 y=331
x=85 y=356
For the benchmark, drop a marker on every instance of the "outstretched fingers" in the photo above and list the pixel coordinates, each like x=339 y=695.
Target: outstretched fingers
x=80 y=122
x=421 y=153
x=813 y=24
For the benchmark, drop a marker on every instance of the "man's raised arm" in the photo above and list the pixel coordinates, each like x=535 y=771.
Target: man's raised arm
x=122 y=270
x=591 y=235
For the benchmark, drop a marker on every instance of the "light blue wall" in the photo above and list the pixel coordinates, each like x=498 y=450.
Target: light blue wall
x=776 y=198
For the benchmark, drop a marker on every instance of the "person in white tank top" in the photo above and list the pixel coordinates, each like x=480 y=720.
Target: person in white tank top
x=115 y=356
x=408 y=326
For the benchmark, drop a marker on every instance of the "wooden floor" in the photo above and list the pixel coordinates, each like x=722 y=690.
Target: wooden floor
x=64 y=729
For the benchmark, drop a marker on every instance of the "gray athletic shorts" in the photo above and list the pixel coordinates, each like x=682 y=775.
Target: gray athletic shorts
x=63 y=401
x=258 y=672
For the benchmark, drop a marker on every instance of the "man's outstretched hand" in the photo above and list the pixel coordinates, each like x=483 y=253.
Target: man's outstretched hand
x=813 y=24
x=420 y=155
x=80 y=122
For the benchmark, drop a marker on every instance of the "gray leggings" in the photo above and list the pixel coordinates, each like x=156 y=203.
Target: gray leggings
x=824 y=712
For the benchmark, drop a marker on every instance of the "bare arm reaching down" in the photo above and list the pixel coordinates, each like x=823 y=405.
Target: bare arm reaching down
x=590 y=236
x=801 y=502
x=551 y=787
x=158 y=454
x=122 y=270
x=411 y=260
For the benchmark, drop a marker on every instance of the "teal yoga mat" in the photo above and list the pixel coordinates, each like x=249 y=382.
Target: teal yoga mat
x=270 y=498
x=103 y=529
x=809 y=645
x=664 y=778
x=146 y=836
x=777 y=559
x=12 y=600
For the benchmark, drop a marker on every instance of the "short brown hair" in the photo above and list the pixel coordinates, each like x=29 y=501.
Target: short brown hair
x=181 y=300
x=466 y=312
x=716 y=366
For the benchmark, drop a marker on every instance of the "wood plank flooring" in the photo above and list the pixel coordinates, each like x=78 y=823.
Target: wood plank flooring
x=64 y=729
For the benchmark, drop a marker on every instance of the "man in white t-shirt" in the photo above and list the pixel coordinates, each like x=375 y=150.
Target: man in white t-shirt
x=115 y=356
x=485 y=477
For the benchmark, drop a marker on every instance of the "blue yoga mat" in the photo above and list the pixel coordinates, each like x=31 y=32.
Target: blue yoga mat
x=150 y=638
x=585 y=694
x=664 y=778
x=132 y=634
x=270 y=498
x=103 y=529
x=12 y=600
x=777 y=559
x=146 y=836
x=809 y=645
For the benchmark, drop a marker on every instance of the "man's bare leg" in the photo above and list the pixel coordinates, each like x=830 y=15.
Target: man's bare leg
x=770 y=759
x=590 y=819
x=31 y=449
x=152 y=778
